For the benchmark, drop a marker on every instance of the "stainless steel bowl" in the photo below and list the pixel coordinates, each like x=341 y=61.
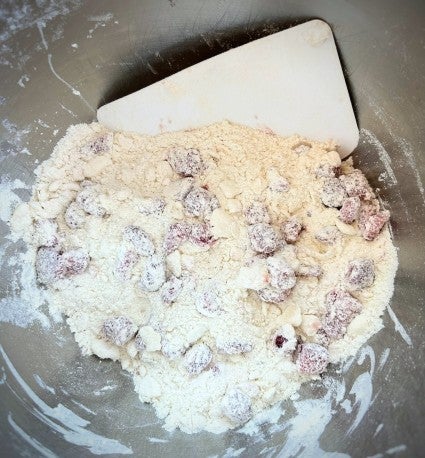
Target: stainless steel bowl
x=59 y=61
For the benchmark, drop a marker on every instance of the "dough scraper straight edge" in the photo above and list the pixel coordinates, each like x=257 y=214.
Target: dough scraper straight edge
x=290 y=82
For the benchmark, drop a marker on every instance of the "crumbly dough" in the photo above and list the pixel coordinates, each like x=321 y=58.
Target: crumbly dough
x=209 y=351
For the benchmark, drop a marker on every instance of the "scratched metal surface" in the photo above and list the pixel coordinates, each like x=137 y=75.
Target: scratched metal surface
x=59 y=61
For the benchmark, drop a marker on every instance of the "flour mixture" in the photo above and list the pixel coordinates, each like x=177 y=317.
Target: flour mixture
x=222 y=266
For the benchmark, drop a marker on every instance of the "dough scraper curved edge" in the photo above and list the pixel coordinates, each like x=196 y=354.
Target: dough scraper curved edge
x=290 y=82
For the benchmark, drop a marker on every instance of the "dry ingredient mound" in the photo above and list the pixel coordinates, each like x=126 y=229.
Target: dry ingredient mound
x=222 y=266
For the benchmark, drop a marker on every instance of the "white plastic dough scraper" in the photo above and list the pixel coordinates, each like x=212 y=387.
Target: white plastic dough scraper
x=290 y=82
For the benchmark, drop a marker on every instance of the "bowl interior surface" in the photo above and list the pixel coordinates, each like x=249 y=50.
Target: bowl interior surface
x=58 y=63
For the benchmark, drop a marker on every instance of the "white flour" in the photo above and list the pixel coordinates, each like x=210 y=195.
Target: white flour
x=205 y=356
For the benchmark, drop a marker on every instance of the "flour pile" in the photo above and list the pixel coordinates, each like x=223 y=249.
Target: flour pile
x=222 y=266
